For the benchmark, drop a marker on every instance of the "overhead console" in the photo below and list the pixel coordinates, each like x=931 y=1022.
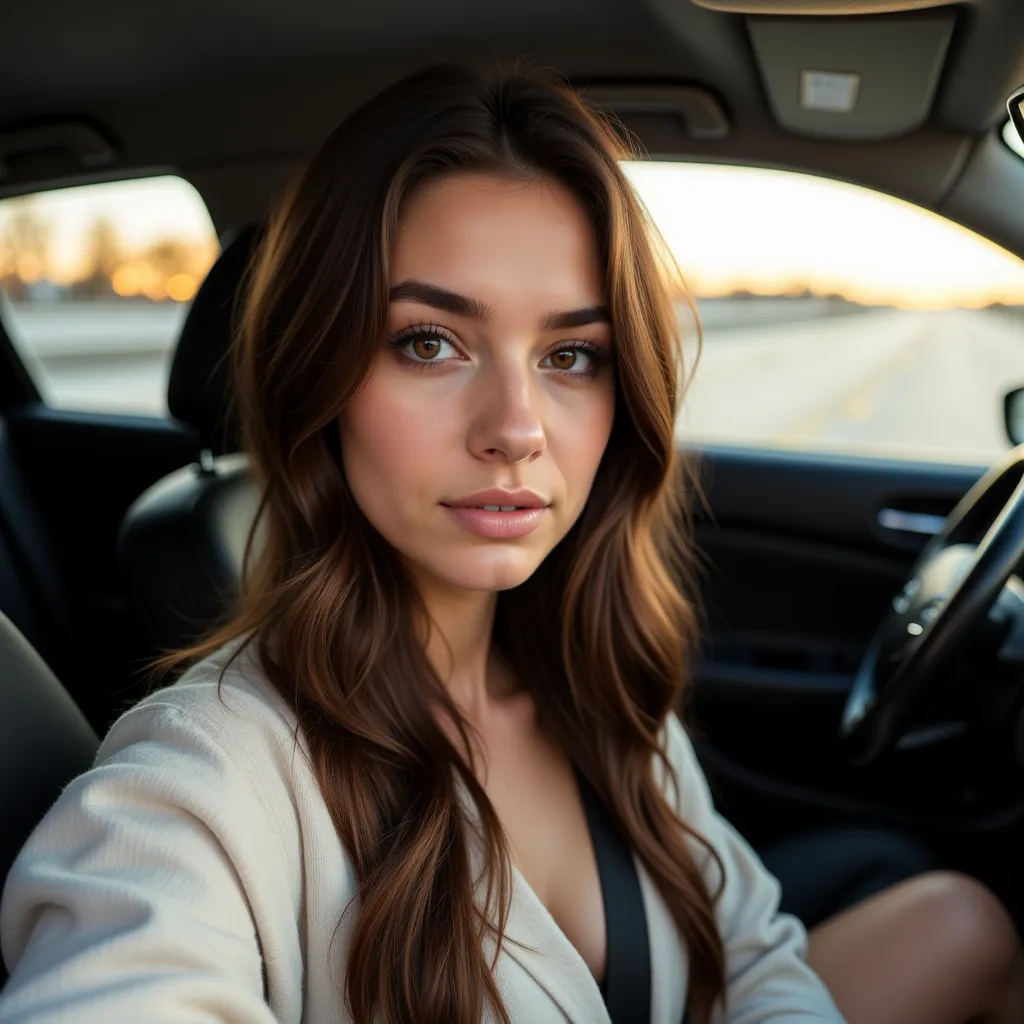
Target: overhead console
x=847 y=69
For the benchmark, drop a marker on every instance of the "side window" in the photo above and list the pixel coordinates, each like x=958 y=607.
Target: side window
x=835 y=318
x=95 y=282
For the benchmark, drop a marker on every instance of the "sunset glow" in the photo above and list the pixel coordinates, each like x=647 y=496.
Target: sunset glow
x=731 y=229
x=151 y=237
x=772 y=232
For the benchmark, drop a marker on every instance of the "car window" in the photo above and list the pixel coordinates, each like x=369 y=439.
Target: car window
x=835 y=318
x=95 y=282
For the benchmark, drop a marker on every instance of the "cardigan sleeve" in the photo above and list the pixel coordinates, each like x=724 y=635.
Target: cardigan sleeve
x=767 y=978
x=131 y=900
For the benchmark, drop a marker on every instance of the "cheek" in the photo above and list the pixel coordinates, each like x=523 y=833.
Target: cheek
x=390 y=448
x=578 y=441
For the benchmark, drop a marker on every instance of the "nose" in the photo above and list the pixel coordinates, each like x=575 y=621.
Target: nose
x=508 y=425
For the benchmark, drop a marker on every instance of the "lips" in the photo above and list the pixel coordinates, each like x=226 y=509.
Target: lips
x=500 y=500
x=499 y=513
x=497 y=525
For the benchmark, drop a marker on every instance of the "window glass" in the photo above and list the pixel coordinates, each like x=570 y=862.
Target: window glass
x=836 y=318
x=95 y=282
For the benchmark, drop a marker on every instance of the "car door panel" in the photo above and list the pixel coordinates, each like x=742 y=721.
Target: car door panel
x=83 y=470
x=796 y=573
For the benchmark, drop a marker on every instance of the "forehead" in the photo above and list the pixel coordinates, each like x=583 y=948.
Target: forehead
x=500 y=241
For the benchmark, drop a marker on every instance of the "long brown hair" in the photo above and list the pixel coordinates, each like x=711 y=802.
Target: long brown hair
x=600 y=633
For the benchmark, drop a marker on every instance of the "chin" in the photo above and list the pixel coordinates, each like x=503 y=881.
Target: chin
x=486 y=570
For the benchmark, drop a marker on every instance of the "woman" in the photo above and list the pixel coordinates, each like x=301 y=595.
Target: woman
x=373 y=796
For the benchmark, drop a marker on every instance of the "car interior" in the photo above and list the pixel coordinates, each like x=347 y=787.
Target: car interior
x=864 y=643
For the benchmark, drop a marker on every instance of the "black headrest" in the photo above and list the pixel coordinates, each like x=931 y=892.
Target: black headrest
x=182 y=548
x=198 y=390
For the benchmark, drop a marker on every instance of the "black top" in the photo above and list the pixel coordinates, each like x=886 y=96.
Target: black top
x=627 y=975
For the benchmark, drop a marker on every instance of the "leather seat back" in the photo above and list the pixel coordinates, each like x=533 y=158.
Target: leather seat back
x=45 y=740
x=182 y=542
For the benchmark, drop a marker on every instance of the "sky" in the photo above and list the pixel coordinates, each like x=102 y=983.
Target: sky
x=768 y=231
x=729 y=228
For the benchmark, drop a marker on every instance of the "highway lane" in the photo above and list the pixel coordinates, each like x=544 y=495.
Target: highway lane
x=883 y=382
x=948 y=396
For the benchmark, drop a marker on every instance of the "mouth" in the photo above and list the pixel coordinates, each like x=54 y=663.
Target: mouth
x=496 y=508
x=498 y=499
x=498 y=522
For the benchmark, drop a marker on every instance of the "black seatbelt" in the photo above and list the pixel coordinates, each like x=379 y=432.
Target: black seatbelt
x=627 y=976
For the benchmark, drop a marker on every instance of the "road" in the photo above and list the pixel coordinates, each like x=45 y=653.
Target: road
x=806 y=376
x=108 y=357
x=881 y=382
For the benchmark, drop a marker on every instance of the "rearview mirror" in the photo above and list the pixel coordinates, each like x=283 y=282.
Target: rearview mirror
x=1013 y=412
x=1015 y=108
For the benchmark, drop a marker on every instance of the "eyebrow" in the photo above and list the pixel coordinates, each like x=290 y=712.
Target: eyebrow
x=463 y=305
x=440 y=298
x=576 y=318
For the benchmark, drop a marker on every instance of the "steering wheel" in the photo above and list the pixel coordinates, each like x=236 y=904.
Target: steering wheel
x=955 y=581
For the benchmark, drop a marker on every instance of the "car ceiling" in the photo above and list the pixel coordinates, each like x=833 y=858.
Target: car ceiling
x=232 y=95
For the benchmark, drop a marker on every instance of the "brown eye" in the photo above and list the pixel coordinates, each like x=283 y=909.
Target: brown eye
x=426 y=348
x=573 y=361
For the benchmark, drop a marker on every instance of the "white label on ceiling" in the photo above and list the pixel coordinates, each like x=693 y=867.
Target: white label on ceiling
x=828 y=90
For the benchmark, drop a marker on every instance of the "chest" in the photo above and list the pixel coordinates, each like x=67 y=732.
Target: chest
x=535 y=793
x=539 y=981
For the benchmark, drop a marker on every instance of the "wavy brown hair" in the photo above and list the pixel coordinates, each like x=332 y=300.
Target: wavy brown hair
x=601 y=633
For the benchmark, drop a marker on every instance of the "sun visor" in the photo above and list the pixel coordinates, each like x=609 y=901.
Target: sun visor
x=851 y=78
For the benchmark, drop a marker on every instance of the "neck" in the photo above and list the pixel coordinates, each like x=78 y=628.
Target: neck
x=459 y=646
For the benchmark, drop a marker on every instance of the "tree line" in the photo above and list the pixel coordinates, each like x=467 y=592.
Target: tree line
x=107 y=268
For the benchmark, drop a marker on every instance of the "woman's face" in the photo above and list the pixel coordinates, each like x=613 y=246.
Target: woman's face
x=473 y=444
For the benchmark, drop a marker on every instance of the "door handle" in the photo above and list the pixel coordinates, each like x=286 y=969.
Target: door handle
x=924 y=523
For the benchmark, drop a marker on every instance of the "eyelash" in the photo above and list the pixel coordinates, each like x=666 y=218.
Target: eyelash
x=598 y=353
